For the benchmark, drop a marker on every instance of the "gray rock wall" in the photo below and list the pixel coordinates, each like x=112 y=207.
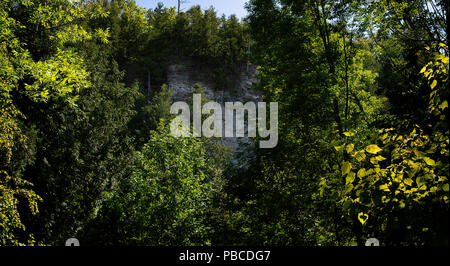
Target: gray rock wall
x=183 y=74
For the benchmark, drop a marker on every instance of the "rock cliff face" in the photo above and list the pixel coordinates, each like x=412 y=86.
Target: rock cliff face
x=183 y=74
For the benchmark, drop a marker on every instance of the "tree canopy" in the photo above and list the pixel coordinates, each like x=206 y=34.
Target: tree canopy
x=86 y=149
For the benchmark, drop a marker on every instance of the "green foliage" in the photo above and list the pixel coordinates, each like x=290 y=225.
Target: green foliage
x=400 y=30
x=409 y=177
x=321 y=72
x=11 y=189
x=362 y=88
x=219 y=43
x=92 y=145
x=169 y=193
x=150 y=113
x=37 y=76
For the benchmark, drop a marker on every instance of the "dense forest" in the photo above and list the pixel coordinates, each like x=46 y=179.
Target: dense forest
x=86 y=149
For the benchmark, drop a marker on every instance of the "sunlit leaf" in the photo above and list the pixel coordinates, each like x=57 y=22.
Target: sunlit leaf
x=408 y=181
x=360 y=155
x=345 y=168
x=433 y=84
x=423 y=69
x=362 y=217
x=349 y=148
x=362 y=173
x=429 y=161
x=350 y=178
x=385 y=187
x=373 y=149
x=349 y=134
